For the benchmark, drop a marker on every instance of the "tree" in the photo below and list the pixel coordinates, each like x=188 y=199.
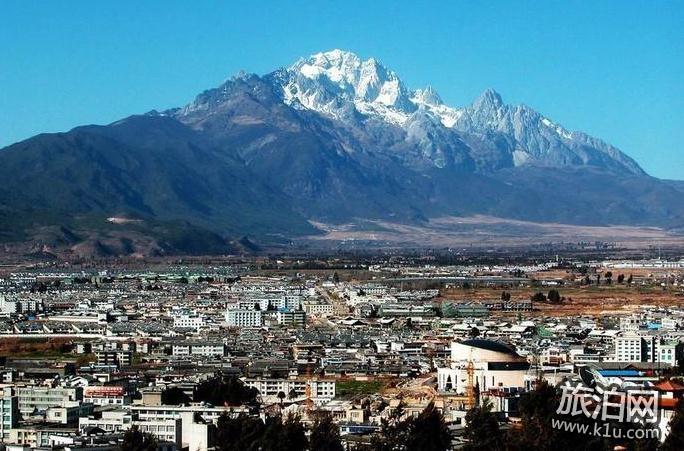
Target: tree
x=394 y=431
x=134 y=440
x=429 y=432
x=620 y=278
x=174 y=396
x=281 y=395
x=536 y=411
x=474 y=332
x=243 y=433
x=609 y=277
x=554 y=297
x=225 y=390
x=505 y=296
x=325 y=434
x=630 y=279
x=482 y=429
x=538 y=297
x=675 y=439
x=294 y=434
x=279 y=435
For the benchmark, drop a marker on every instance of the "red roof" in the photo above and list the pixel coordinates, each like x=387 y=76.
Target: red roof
x=669 y=385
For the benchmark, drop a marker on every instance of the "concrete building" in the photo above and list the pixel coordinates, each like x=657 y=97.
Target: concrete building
x=635 y=347
x=291 y=318
x=190 y=320
x=191 y=435
x=321 y=390
x=167 y=430
x=495 y=366
x=9 y=413
x=244 y=318
x=32 y=399
x=108 y=421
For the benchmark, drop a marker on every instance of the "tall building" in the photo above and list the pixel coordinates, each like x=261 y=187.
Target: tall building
x=9 y=413
x=243 y=318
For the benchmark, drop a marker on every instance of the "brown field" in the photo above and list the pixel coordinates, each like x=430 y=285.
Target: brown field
x=592 y=300
x=483 y=231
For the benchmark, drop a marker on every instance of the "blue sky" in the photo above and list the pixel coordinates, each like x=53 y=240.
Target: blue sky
x=614 y=69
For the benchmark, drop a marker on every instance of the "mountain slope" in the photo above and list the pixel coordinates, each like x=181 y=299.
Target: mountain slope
x=146 y=167
x=333 y=139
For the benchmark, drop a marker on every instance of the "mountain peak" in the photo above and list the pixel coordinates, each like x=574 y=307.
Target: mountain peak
x=331 y=82
x=489 y=98
x=427 y=96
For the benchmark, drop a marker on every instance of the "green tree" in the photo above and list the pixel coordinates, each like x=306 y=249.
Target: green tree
x=538 y=297
x=294 y=434
x=675 y=439
x=325 y=434
x=174 y=396
x=287 y=435
x=482 y=429
x=554 y=297
x=429 y=432
x=225 y=390
x=243 y=433
x=135 y=440
x=394 y=431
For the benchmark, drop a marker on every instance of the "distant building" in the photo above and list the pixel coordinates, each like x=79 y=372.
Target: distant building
x=244 y=318
x=495 y=367
x=190 y=320
x=633 y=347
x=292 y=318
x=321 y=390
x=9 y=413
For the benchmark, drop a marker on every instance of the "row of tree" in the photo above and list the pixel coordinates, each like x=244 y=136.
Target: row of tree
x=536 y=431
x=554 y=297
x=220 y=390
x=608 y=279
x=425 y=432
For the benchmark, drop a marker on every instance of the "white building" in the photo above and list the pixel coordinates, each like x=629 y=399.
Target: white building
x=167 y=430
x=106 y=395
x=317 y=308
x=9 y=413
x=244 y=318
x=190 y=320
x=633 y=347
x=193 y=436
x=495 y=366
x=109 y=421
x=198 y=348
x=321 y=391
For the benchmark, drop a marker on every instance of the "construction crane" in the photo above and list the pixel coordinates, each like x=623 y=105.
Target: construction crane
x=470 y=387
x=307 y=390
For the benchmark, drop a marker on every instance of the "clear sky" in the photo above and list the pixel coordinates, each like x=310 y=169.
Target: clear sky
x=614 y=69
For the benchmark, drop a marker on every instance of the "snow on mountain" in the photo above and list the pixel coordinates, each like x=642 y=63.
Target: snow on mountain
x=333 y=82
x=341 y=85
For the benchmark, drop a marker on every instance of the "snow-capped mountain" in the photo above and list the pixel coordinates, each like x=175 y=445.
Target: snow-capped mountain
x=342 y=86
x=332 y=139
